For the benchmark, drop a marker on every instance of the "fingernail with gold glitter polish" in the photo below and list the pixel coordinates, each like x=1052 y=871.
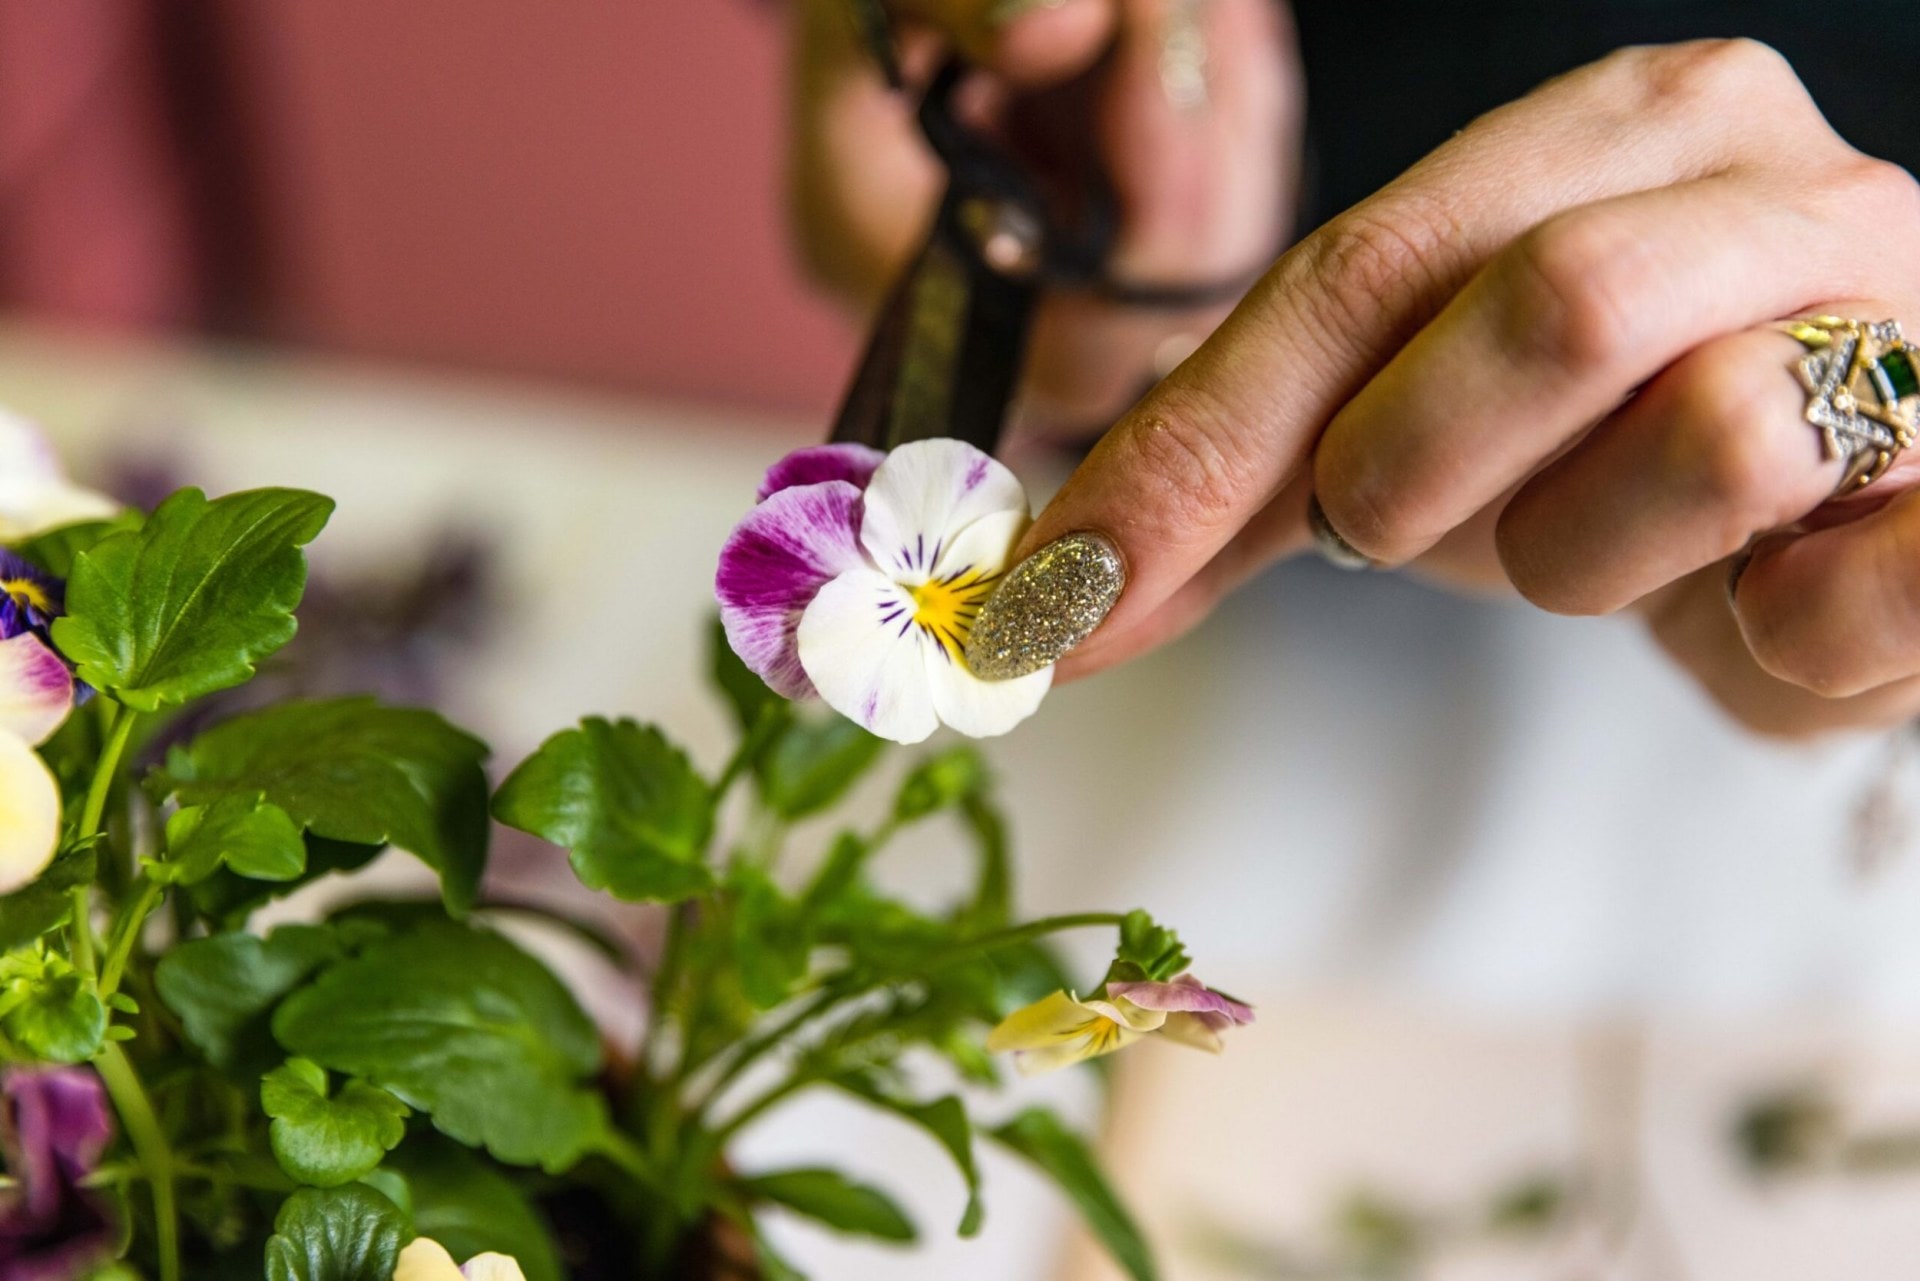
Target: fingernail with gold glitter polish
x=1049 y=603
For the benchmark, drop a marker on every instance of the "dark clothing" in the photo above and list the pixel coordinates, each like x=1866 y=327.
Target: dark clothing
x=1389 y=81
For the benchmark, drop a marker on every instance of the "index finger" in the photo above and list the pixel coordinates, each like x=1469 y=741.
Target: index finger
x=1169 y=486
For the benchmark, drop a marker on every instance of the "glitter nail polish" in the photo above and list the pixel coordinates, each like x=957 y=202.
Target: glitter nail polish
x=1050 y=603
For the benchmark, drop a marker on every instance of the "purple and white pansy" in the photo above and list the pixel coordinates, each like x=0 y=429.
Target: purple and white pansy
x=858 y=577
x=36 y=693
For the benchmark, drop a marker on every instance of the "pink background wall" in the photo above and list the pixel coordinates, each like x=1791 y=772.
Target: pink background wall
x=581 y=188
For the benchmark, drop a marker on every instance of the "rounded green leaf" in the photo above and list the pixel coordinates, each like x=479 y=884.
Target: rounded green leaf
x=336 y=1234
x=255 y=839
x=328 y=1140
x=625 y=804
x=190 y=601
x=464 y=1026
x=352 y=770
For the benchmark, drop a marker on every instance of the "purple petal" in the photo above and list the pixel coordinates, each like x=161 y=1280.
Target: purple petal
x=1184 y=995
x=773 y=565
x=36 y=689
x=55 y=1128
x=854 y=464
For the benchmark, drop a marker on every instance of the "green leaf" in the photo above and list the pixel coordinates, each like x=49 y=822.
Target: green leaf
x=835 y=1200
x=468 y=1206
x=1153 y=949
x=812 y=764
x=939 y=782
x=189 y=602
x=462 y=1025
x=336 y=1234
x=946 y=1120
x=228 y=899
x=1059 y=1153
x=53 y=1012
x=328 y=1140
x=224 y=989
x=44 y=905
x=771 y=939
x=353 y=770
x=625 y=804
x=57 y=549
x=255 y=839
x=746 y=694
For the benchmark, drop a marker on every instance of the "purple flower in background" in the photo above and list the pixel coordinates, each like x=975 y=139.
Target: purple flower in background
x=858 y=578
x=54 y=1127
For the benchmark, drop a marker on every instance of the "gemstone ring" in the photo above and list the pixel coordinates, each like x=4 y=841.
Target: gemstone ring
x=1863 y=392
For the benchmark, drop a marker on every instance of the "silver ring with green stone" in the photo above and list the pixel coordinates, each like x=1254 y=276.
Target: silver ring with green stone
x=1863 y=392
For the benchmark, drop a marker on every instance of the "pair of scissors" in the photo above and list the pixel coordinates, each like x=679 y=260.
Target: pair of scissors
x=946 y=351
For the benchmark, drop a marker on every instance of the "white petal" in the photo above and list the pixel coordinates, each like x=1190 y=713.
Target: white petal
x=36 y=689
x=982 y=548
x=425 y=1259
x=35 y=494
x=977 y=708
x=926 y=493
x=492 y=1267
x=27 y=514
x=29 y=814
x=863 y=654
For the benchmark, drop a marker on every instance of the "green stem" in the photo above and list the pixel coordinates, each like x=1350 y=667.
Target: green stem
x=836 y=990
x=1023 y=933
x=150 y=1148
x=760 y=1107
x=127 y=935
x=119 y=730
x=765 y=725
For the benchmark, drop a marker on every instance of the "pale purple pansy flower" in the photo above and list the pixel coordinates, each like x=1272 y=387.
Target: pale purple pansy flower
x=1060 y=1029
x=859 y=575
x=35 y=494
x=54 y=1128
x=1196 y=1014
x=425 y=1259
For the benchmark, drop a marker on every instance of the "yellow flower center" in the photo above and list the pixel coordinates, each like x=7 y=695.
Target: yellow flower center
x=944 y=608
x=28 y=593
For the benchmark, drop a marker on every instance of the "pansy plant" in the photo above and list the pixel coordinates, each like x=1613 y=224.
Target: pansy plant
x=858 y=576
x=399 y=1091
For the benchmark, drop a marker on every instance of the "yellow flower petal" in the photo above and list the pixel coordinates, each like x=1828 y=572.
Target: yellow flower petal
x=492 y=1267
x=29 y=813
x=1058 y=1031
x=425 y=1259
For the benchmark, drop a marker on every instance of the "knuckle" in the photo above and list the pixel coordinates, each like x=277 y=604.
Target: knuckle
x=1182 y=448
x=1885 y=188
x=1687 y=75
x=1576 y=282
x=1372 y=258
